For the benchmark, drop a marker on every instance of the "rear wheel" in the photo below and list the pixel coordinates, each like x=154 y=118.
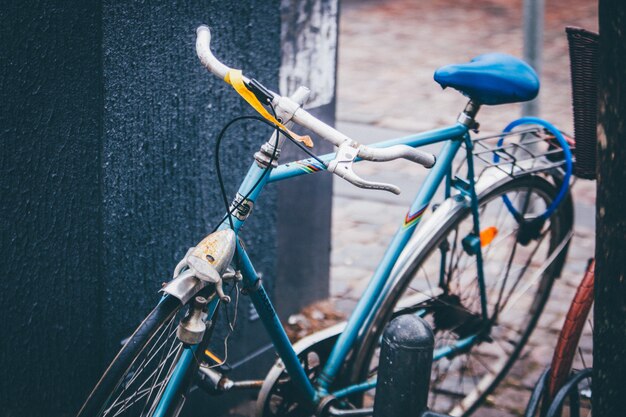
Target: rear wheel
x=135 y=381
x=444 y=289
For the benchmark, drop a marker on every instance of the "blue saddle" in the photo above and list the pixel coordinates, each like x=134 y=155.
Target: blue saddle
x=491 y=79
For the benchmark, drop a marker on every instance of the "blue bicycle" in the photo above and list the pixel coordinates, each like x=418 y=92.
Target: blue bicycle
x=478 y=265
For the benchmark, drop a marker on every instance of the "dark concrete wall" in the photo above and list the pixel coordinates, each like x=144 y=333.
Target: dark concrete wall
x=162 y=112
x=51 y=117
x=108 y=124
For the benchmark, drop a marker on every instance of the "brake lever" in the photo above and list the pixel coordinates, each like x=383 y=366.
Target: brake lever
x=342 y=167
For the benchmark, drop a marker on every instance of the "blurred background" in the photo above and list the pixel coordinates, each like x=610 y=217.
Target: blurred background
x=108 y=128
x=388 y=51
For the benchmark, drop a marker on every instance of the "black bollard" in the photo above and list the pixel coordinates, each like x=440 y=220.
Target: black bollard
x=404 y=368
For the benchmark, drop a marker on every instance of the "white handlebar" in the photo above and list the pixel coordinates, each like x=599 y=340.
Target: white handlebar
x=203 y=49
x=396 y=152
x=287 y=109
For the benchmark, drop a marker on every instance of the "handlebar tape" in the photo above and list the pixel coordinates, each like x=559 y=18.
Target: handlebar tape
x=235 y=79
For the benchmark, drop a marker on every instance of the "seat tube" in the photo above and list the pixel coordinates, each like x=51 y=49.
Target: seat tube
x=476 y=225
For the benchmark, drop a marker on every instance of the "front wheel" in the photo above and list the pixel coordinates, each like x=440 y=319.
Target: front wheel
x=472 y=352
x=136 y=380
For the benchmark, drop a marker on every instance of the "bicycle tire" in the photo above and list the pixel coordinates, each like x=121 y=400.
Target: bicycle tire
x=160 y=322
x=559 y=226
x=571 y=333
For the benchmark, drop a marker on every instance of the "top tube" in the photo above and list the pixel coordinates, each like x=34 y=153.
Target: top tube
x=311 y=166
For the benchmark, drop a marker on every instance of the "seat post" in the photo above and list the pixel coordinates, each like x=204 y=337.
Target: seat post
x=467 y=116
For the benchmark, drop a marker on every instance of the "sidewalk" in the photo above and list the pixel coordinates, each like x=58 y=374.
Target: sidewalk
x=387 y=55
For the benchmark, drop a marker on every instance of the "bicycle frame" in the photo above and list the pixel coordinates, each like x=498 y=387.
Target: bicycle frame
x=377 y=289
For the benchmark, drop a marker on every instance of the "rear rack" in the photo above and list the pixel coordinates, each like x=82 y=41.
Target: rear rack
x=517 y=153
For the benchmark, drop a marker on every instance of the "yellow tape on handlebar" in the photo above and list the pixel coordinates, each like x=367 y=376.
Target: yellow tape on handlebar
x=235 y=79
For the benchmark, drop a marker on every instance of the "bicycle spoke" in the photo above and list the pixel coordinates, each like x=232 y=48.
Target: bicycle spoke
x=166 y=354
x=140 y=395
x=522 y=213
x=167 y=330
x=530 y=258
x=138 y=389
x=165 y=383
x=156 y=376
x=430 y=287
x=511 y=270
x=151 y=354
x=505 y=305
x=489 y=369
x=176 y=343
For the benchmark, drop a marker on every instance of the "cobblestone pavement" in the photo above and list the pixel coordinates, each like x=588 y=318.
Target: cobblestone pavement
x=388 y=52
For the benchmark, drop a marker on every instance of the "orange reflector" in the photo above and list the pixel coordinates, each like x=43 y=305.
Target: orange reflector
x=212 y=356
x=487 y=235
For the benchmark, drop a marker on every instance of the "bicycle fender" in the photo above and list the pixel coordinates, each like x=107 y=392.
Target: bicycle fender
x=184 y=288
x=488 y=181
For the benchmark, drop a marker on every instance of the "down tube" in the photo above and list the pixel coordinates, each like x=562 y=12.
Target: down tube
x=272 y=325
x=371 y=297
